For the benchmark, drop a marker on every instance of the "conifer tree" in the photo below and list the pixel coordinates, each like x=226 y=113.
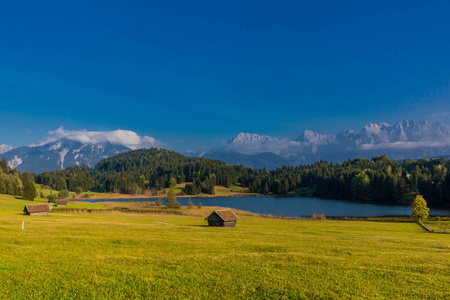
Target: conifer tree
x=29 y=191
x=171 y=199
x=4 y=165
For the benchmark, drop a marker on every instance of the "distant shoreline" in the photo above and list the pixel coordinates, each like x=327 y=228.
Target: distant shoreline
x=117 y=196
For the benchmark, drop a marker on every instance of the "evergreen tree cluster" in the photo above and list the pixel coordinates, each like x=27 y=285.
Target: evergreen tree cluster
x=145 y=171
x=16 y=183
x=379 y=180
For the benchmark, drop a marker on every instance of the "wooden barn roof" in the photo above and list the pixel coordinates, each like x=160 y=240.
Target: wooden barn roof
x=34 y=208
x=61 y=202
x=225 y=214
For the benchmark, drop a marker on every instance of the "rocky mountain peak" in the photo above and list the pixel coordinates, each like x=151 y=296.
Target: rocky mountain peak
x=315 y=138
x=249 y=138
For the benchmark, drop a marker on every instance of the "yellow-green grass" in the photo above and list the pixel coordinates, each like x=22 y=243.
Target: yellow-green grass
x=223 y=191
x=439 y=224
x=218 y=190
x=123 y=256
x=47 y=191
x=85 y=205
x=179 y=188
x=237 y=188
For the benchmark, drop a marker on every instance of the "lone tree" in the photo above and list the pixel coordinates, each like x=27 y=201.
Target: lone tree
x=171 y=199
x=29 y=191
x=419 y=208
x=190 y=204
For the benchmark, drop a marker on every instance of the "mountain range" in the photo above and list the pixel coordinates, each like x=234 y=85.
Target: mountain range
x=403 y=140
x=41 y=157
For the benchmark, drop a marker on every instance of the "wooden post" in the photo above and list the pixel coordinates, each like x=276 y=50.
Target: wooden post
x=23 y=224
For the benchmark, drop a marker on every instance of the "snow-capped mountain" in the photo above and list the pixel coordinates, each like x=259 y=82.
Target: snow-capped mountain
x=41 y=157
x=406 y=139
x=403 y=140
x=317 y=139
x=5 y=148
x=247 y=138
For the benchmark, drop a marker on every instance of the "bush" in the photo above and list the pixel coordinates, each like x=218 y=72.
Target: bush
x=78 y=190
x=63 y=194
x=51 y=198
x=200 y=205
x=159 y=201
x=318 y=217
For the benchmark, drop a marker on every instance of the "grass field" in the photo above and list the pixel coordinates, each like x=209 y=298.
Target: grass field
x=439 y=224
x=218 y=190
x=125 y=256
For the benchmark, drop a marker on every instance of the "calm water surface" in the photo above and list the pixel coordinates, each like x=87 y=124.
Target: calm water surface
x=299 y=206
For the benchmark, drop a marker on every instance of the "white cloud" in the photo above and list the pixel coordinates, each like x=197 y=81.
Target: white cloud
x=125 y=138
x=404 y=145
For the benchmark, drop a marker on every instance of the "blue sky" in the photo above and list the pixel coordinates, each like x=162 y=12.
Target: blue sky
x=194 y=73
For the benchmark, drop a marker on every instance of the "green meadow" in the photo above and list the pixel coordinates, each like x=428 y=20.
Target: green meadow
x=127 y=256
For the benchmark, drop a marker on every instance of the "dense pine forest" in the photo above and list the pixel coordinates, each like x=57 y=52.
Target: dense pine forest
x=149 y=170
x=146 y=171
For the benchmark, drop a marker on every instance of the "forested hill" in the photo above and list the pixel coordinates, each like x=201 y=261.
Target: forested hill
x=145 y=170
x=149 y=170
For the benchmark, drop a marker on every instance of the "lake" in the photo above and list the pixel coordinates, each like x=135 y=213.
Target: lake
x=299 y=206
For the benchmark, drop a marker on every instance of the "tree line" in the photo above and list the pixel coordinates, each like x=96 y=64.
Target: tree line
x=379 y=180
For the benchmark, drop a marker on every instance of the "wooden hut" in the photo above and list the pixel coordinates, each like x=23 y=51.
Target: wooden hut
x=222 y=218
x=61 y=203
x=37 y=209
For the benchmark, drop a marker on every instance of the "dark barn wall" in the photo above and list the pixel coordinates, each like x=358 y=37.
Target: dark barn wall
x=215 y=220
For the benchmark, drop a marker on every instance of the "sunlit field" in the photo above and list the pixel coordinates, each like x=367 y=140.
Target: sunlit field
x=143 y=256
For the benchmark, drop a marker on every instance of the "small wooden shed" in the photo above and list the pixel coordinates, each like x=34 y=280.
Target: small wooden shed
x=37 y=209
x=222 y=218
x=61 y=203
